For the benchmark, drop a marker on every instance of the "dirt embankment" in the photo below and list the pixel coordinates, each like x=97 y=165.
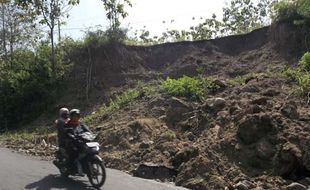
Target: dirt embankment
x=251 y=136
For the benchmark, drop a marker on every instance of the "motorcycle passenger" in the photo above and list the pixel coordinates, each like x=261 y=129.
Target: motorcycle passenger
x=75 y=127
x=60 y=124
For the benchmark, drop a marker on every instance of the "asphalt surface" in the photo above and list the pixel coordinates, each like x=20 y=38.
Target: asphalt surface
x=22 y=172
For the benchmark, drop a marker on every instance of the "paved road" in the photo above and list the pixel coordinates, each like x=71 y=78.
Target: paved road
x=21 y=172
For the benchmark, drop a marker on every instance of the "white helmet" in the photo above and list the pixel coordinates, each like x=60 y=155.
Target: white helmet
x=63 y=111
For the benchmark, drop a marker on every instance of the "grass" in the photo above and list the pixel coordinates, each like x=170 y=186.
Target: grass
x=301 y=77
x=241 y=80
x=25 y=135
x=169 y=135
x=120 y=101
x=189 y=87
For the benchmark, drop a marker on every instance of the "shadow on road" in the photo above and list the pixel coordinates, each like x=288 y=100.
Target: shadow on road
x=58 y=182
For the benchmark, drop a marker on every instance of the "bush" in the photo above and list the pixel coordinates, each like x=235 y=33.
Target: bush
x=114 y=104
x=26 y=88
x=304 y=62
x=292 y=73
x=169 y=135
x=292 y=10
x=286 y=10
x=303 y=82
x=302 y=78
x=185 y=87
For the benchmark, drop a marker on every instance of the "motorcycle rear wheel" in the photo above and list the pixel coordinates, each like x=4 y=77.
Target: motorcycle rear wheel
x=97 y=169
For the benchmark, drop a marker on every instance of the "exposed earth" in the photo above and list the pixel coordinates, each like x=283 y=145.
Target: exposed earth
x=253 y=135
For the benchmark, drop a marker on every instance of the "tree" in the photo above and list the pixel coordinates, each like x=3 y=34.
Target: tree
x=51 y=12
x=210 y=28
x=115 y=11
x=18 y=30
x=243 y=16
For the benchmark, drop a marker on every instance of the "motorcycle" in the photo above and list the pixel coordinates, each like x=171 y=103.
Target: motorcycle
x=88 y=160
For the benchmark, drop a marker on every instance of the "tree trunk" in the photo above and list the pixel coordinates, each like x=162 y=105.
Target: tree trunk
x=3 y=29
x=88 y=74
x=59 y=34
x=11 y=44
x=53 y=54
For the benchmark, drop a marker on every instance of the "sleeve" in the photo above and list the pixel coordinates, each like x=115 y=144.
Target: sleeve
x=85 y=127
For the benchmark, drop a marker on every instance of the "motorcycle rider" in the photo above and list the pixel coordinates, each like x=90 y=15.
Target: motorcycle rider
x=75 y=127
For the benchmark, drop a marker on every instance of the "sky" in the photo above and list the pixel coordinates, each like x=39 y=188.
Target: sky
x=148 y=14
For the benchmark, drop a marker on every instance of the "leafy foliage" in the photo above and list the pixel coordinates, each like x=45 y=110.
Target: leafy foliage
x=305 y=61
x=243 y=16
x=168 y=135
x=115 y=11
x=185 y=87
x=300 y=75
x=115 y=104
x=239 y=17
x=292 y=10
x=23 y=84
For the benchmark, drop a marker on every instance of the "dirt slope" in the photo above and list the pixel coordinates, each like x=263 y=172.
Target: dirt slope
x=246 y=135
x=251 y=136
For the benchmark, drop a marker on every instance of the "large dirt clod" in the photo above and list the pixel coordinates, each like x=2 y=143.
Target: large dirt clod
x=254 y=127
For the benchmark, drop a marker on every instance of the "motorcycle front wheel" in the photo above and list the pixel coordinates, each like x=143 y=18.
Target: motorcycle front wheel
x=97 y=174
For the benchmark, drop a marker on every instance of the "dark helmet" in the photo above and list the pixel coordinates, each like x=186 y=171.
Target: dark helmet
x=75 y=112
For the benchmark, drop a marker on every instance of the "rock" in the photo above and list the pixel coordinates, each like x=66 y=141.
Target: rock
x=223 y=117
x=146 y=144
x=305 y=147
x=184 y=156
x=215 y=132
x=190 y=136
x=43 y=143
x=214 y=105
x=157 y=102
x=234 y=110
x=241 y=186
x=260 y=101
x=250 y=89
x=254 y=127
x=288 y=160
x=222 y=84
x=154 y=171
x=218 y=104
x=124 y=144
x=265 y=150
x=177 y=109
x=271 y=93
x=296 y=186
x=195 y=184
x=254 y=109
x=289 y=110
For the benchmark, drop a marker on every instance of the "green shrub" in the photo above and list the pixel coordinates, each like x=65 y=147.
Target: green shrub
x=114 y=104
x=292 y=73
x=303 y=82
x=185 y=87
x=302 y=78
x=292 y=10
x=286 y=10
x=241 y=80
x=304 y=62
x=169 y=135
